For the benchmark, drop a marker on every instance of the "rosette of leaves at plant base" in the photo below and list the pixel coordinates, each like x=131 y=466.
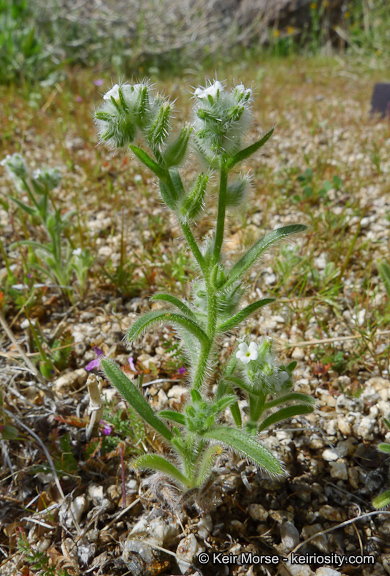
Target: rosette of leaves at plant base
x=138 y=117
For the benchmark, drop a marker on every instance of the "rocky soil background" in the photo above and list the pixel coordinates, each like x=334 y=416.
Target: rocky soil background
x=94 y=515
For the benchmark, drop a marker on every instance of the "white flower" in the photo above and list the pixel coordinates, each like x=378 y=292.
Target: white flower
x=114 y=92
x=247 y=353
x=77 y=252
x=211 y=90
x=240 y=89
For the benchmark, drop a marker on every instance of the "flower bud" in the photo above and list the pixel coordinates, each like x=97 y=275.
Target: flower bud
x=158 y=130
x=237 y=192
x=175 y=151
x=15 y=166
x=46 y=178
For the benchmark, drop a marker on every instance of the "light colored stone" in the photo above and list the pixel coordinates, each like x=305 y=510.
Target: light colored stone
x=338 y=470
x=289 y=536
x=344 y=426
x=331 y=513
x=79 y=506
x=298 y=353
x=299 y=570
x=95 y=492
x=258 y=512
x=326 y=571
x=205 y=526
x=320 y=541
x=187 y=551
x=75 y=378
x=330 y=455
x=178 y=392
x=366 y=428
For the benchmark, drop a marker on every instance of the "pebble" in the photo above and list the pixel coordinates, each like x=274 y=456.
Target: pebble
x=298 y=354
x=187 y=551
x=299 y=570
x=326 y=571
x=338 y=470
x=320 y=541
x=330 y=455
x=77 y=377
x=366 y=428
x=289 y=536
x=333 y=514
x=258 y=512
x=205 y=526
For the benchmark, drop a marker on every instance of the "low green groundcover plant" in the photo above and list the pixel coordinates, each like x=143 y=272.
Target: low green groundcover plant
x=197 y=435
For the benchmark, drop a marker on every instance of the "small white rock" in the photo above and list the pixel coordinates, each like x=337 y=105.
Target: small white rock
x=338 y=470
x=187 y=551
x=298 y=354
x=330 y=455
x=258 y=512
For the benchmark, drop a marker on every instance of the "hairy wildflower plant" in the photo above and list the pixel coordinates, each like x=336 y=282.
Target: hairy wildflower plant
x=197 y=435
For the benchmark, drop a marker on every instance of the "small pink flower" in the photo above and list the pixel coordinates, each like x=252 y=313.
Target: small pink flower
x=182 y=370
x=95 y=363
x=131 y=364
x=107 y=429
x=79 y=99
x=98 y=82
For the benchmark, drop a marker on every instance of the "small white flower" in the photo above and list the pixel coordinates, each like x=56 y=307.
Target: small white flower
x=77 y=252
x=211 y=90
x=240 y=89
x=247 y=353
x=114 y=92
x=138 y=178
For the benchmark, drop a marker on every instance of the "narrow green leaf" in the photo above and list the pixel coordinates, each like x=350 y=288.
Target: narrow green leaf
x=25 y=207
x=205 y=463
x=298 y=396
x=284 y=413
x=236 y=413
x=247 y=152
x=384 y=448
x=223 y=403
x=168 y=317
x=157 y=462
x=384 y=271
x=382 y=500
x=240 y=383
x=175 y=302
x=243 y=315
x=243 y=265
x=247 y=446
x=148 y=161
x=176 y=150
x=134 y=397
x=46 y=248
x=173 y=415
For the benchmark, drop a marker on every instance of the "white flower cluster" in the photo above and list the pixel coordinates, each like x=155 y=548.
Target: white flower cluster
x=221 y=119
x=260 y=367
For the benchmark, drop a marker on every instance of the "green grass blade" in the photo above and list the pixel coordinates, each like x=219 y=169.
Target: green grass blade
x=157 y=462
x=284 y=413
x=134 y=397
x=243 y=315
x=254 y=253
x=149 y=162
x=384 y=271
x=173 y=416
x=46 y=248
x=25 y=207
x=384 y=448
x=169 y=318
x=247 y=152
x=175 y=302
x=247 y=446
x=382 y=500
x=298 y=396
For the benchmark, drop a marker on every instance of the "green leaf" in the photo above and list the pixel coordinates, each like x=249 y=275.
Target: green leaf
x=247 y=446
x=247 y=152
x=176 y=150
x=158 y=131
x=173 y=415
x=167 y=317
x=148 y=161
x=157 y=462
x=175 y=302
x=243 y=315
x=284 y=413
x=223 y=403
x=193 y=203
x=205 y=463
x=134 y=397
x=298 y=396
x=236 y=413
x=8 y=432
x=254 y=253
x=384 y=448
x=382 y=500
x=384 y=271
x=240 y=383
x=25 y=207
x=46 y=248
